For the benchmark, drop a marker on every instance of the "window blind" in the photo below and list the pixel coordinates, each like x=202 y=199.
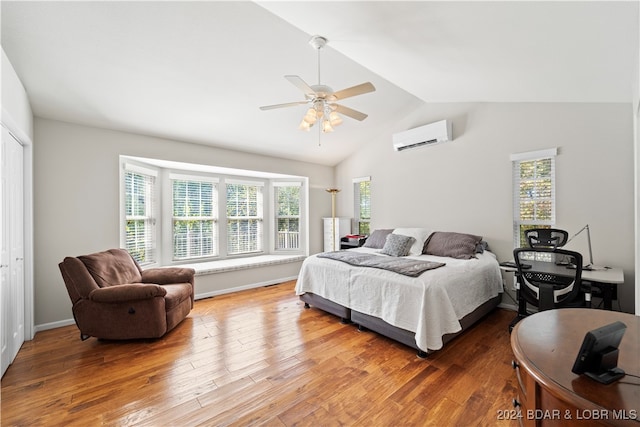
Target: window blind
x=287 y=199
x=140 y=218
x=362 y=207
x=194 y=218
x=244 y=217
x=534 y=192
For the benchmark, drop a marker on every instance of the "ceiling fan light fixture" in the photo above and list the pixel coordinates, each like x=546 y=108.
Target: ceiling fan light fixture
x=305 y=126
x=311 y=116
x=326 y=126
x=335 y=119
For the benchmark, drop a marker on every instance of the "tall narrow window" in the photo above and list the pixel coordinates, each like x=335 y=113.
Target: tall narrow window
x=287 y=199
x=534 y=194
x=194 y=217
x=140 y=213
x=244 y=217
x=362 y=208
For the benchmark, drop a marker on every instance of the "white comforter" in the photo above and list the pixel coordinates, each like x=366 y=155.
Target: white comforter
x=429 y=305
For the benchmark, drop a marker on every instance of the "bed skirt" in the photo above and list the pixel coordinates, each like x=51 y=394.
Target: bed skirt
x=383 y=328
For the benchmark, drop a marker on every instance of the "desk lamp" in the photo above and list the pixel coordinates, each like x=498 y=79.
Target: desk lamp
x=589 y=266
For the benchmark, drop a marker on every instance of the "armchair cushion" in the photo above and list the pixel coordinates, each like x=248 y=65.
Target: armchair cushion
x=112 y=267
x=163 y=276
x=129 y=292
x=176 y=294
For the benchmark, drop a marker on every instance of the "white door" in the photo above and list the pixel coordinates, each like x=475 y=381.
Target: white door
x=11 y=249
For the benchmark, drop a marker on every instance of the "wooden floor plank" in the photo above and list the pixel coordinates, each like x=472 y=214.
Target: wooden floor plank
x=258 y=357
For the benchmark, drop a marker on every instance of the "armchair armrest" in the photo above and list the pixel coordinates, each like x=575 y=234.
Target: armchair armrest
x=128 y=292
x=169 y=275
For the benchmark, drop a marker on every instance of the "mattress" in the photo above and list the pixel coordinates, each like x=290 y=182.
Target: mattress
x=430 y=305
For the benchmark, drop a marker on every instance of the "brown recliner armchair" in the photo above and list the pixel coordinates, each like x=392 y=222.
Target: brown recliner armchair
x=113 y=298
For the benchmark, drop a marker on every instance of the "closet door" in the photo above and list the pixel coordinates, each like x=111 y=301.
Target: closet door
x=11 y=249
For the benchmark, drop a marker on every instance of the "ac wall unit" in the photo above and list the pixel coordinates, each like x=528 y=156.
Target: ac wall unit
x=433 y=133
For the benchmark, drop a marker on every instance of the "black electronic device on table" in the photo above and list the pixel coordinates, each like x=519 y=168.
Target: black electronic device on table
x=598 y=355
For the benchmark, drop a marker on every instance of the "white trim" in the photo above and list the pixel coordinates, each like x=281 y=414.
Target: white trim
x=362 y=179
x=530 y=155
x=139 y=169
x=54 y=325
x=199 y=178
x=287 y=183
x=243 y=182
x=6 y=121
x=244 y=287
x=69 y=322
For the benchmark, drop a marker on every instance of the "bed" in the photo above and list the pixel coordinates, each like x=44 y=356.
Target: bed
x=423 y=312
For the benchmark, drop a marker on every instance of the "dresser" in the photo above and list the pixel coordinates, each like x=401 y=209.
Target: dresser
x=545 y=346
x=343 y=227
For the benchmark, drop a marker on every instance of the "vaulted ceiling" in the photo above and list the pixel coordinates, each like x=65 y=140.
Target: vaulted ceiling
x=199 y=71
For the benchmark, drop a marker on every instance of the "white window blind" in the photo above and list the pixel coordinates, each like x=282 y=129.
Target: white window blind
x=140 y=221
x=195 y=213
x=244 y=217
x=362 y=206
x=287 y=200
x=534 y=193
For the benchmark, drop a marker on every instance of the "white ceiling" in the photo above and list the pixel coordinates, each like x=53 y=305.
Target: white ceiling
x=198 y=71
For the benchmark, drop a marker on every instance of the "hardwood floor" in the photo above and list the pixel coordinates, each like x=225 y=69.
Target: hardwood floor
x=259 y=358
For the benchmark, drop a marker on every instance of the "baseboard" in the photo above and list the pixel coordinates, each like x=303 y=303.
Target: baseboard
x=53 y=325
x=67 y=322
x=244 y=288
x=508 y=306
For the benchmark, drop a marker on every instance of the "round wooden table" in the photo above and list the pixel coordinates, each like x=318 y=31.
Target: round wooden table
x=545 y=346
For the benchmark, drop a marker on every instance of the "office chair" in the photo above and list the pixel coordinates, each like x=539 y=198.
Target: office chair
x=546 y=237
x=546 y=282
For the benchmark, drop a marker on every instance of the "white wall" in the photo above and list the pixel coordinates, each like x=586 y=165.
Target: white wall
x=76 y=198
x=465 y=185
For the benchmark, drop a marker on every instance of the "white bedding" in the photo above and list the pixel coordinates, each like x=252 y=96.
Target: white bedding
x=429 y=305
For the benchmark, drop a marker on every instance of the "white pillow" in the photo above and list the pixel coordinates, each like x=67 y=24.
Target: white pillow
x=420 y=234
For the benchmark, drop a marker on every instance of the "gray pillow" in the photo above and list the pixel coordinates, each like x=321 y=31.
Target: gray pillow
x=454 y=245
x=397 y=245
x=377 y=238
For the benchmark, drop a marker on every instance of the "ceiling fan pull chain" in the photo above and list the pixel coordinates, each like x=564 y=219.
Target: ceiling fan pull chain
x=318 y=66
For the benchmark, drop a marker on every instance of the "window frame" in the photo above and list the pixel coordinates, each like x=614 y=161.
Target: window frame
x=276 y=217
x=358 y=219
x=214 y=217
x=517 y=162
x=152 y=211
x=259 y=217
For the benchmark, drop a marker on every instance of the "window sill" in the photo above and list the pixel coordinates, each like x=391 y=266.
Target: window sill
x=235 y=264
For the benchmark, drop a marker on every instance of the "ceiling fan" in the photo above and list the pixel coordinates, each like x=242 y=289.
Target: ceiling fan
x=322 y=99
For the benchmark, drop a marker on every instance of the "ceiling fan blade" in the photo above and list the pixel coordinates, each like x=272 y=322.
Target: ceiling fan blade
x=288 y=104
x=350 y=112
x=302 y=85
x=353 y=91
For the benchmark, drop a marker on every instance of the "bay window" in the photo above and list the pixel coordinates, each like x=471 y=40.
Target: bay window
x=177 y=213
